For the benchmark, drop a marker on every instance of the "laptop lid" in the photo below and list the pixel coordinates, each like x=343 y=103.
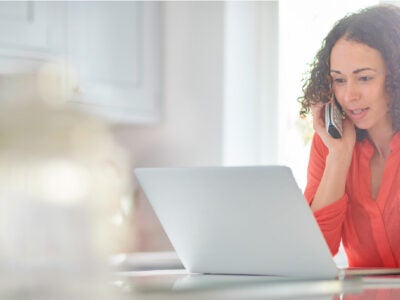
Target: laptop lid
x=238 y=220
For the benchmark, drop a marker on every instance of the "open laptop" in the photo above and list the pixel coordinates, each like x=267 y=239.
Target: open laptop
x=239 y=220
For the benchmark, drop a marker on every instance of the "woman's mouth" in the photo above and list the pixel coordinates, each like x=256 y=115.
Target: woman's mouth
x=357 y=113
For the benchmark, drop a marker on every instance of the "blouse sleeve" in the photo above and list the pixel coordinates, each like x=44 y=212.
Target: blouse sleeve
x=329 y=218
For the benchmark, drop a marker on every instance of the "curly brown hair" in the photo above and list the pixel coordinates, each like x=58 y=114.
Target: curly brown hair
x=377 y=27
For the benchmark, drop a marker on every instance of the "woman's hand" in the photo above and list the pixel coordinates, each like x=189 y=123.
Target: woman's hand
x=339 y=147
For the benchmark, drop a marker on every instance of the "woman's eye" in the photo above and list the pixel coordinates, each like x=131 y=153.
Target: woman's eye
x=365 y=78
x=339 y=80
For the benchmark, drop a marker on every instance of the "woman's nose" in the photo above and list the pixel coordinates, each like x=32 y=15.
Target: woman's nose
x=351 y=92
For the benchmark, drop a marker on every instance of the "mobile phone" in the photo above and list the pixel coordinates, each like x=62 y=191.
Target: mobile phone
x=334 y=119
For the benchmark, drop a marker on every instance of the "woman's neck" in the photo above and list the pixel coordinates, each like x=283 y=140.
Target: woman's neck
x=380 y=139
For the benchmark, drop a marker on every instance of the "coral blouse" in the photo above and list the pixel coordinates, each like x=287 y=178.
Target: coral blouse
x=369 y=228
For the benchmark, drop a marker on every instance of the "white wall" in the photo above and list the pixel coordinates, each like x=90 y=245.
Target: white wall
x=190 y=132
x=219 y=95
x=251 y=83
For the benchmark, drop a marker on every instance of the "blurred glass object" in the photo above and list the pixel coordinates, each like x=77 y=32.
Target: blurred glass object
x=64 y=189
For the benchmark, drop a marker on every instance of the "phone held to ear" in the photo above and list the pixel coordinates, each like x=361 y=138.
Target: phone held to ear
x=334 y=120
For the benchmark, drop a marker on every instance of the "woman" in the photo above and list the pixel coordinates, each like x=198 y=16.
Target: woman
x=353 y=183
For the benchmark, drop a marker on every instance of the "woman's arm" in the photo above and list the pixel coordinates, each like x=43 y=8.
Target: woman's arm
x=331 y=185
x=329 y=218
x=328 y=166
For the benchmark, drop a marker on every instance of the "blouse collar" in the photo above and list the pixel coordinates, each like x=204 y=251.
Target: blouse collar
x=368 y=148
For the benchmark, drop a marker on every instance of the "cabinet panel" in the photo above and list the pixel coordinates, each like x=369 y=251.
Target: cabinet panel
x=24 y=25
x=116 y=49
x=30 y=34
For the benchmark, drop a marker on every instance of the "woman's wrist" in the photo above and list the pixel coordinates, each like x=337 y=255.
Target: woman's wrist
x=340 y=161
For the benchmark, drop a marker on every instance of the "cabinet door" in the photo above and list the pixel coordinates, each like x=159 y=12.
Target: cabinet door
x=116 y=49
x=30 y=34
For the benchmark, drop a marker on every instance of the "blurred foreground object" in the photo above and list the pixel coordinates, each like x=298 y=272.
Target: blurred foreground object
x=62 y=182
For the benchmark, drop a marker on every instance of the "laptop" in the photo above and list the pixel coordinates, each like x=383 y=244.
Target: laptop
x=240 y=220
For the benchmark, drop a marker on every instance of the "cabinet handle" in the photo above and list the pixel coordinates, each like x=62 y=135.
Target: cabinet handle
x=78 y=90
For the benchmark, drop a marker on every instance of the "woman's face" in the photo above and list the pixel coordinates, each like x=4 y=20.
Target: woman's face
x=358 y=79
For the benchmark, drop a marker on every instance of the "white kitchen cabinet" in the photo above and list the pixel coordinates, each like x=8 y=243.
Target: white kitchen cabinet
x=30 y=34
x=115 y=47
x=117 y=50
